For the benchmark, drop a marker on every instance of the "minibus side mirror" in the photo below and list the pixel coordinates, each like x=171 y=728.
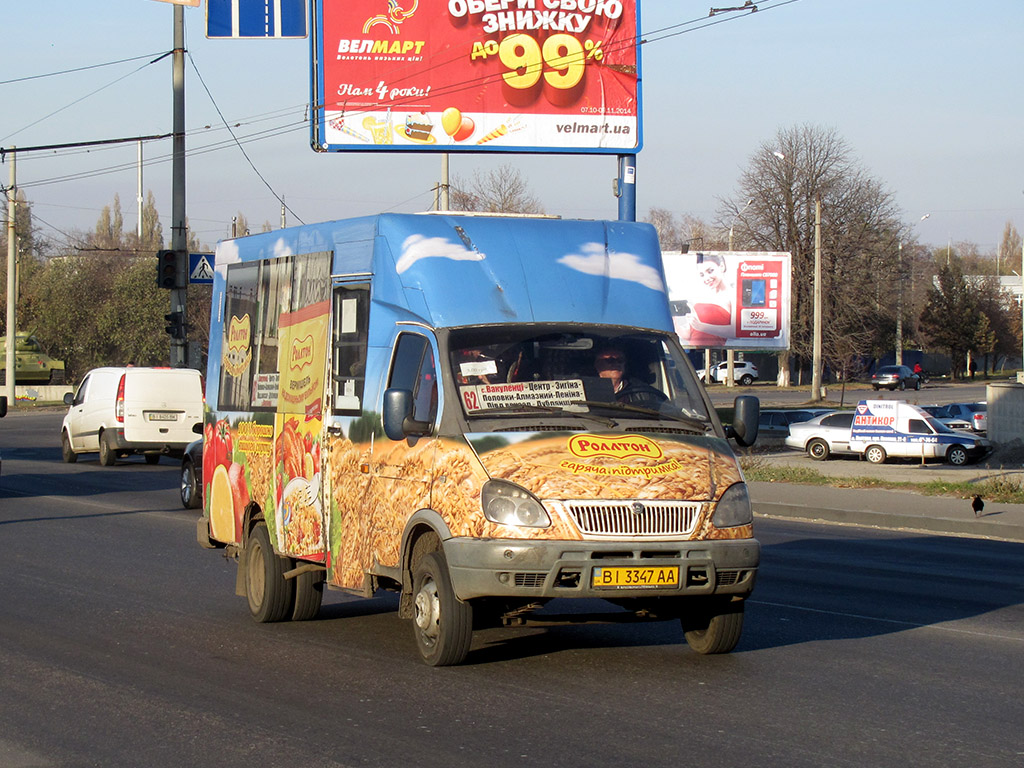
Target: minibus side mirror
x=69 y=398
x=398 y=421
x=198 y=427
x=3 y=407
x=746 y=414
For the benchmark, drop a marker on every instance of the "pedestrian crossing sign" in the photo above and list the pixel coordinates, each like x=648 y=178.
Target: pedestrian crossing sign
x=200 y=268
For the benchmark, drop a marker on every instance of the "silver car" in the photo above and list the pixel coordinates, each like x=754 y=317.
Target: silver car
x=941 y=414
x=823 y=435
x=976 y=414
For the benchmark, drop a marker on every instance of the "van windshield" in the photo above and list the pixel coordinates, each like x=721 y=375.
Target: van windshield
x=516 y=371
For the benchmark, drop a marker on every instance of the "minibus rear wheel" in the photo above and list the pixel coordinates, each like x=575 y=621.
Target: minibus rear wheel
x=715 y=628
x=271 y=596
x=309 y=594
x=442 y=623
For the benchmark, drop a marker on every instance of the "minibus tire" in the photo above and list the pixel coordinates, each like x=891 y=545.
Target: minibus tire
x=66 y=453
x=956 y=455
x=108 y=451
x=309 y=593
x=875 y=454
x=442 y=623
x=270 y=595
x=715 y=630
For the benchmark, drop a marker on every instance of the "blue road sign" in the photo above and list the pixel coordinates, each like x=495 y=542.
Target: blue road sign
x=200 y=268
x=255 y=18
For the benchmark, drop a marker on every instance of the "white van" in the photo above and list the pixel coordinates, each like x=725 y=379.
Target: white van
x=884 y=428
x=118 y=411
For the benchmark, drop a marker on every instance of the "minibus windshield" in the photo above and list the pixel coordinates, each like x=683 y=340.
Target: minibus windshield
x=522 y=371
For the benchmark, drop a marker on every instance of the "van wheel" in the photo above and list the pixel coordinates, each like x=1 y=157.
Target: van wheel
x=108 y=451
x=69 y=456
x=875 y=454
x=190 y=492
x=818 y=450
x=271 y=596
x=152 y=458
x=956 y=455
x=715 y=629
x=309 y=593
x=442 y=623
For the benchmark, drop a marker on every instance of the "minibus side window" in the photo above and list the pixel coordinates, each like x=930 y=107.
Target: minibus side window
x=241 y=314
x=348 y=340
x=414 y=369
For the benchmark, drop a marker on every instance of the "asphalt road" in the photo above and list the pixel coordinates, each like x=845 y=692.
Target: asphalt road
x=938 y=392
x=122 y=644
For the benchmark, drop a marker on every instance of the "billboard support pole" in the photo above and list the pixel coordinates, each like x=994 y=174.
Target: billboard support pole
x=626 y=187
x=179 y=236
x=12 y=296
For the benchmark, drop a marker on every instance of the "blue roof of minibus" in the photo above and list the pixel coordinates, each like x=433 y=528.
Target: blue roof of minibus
x=450 y=270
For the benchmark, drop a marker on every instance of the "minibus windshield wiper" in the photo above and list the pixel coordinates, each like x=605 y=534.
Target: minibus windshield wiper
x=552 y=409
x=700 y=427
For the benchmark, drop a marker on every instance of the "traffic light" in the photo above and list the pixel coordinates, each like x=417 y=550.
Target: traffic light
x=175 y=325
x=167 y=268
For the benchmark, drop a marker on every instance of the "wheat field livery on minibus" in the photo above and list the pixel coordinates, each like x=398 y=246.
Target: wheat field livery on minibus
x=483 y=414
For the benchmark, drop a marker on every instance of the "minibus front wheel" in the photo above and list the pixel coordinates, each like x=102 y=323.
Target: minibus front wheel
x=442 y=623
x=715 y=628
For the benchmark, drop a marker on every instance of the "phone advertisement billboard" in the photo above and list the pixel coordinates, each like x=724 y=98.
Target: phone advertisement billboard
x=476 y=75
x=730 y=299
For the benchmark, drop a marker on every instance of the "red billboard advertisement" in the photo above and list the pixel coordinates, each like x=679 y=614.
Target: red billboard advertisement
x=476 y=75
x=730 y=299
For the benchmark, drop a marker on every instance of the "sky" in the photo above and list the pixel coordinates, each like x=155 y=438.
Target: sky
x=926 y=94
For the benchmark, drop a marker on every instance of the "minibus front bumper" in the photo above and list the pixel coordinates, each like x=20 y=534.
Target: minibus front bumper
x=609 y=570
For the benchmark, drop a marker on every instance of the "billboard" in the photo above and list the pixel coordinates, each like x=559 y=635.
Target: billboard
x=730 y=299
x=476 y=75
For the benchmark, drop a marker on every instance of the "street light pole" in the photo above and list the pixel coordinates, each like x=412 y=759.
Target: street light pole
x=816 y=353
x=816 y=339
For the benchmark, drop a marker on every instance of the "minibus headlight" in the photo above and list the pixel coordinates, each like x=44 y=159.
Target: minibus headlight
x=506 y=503
x=733 y=508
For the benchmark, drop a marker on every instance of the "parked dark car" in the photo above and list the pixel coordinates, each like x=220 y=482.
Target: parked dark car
x=894 y=377
x=192 y=476
x=775 y=423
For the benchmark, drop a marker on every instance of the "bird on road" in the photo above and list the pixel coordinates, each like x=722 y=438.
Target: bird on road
x=977 y=505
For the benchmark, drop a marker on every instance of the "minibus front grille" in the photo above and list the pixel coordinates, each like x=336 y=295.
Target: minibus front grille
x=634 y=518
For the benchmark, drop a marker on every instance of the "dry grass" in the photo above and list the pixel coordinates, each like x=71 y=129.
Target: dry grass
x=1006 y=489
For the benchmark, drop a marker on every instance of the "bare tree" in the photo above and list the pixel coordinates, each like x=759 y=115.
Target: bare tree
x=860 y=235
x=664 y=221
x=503 y=190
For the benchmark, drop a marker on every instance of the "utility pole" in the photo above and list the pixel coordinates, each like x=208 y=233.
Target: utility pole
x=816 y=355
x=138 y=195
x=12 y=255
x=179 y=234
x=444 y=200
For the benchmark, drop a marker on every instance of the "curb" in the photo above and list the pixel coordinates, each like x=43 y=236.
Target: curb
x=978 y=527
